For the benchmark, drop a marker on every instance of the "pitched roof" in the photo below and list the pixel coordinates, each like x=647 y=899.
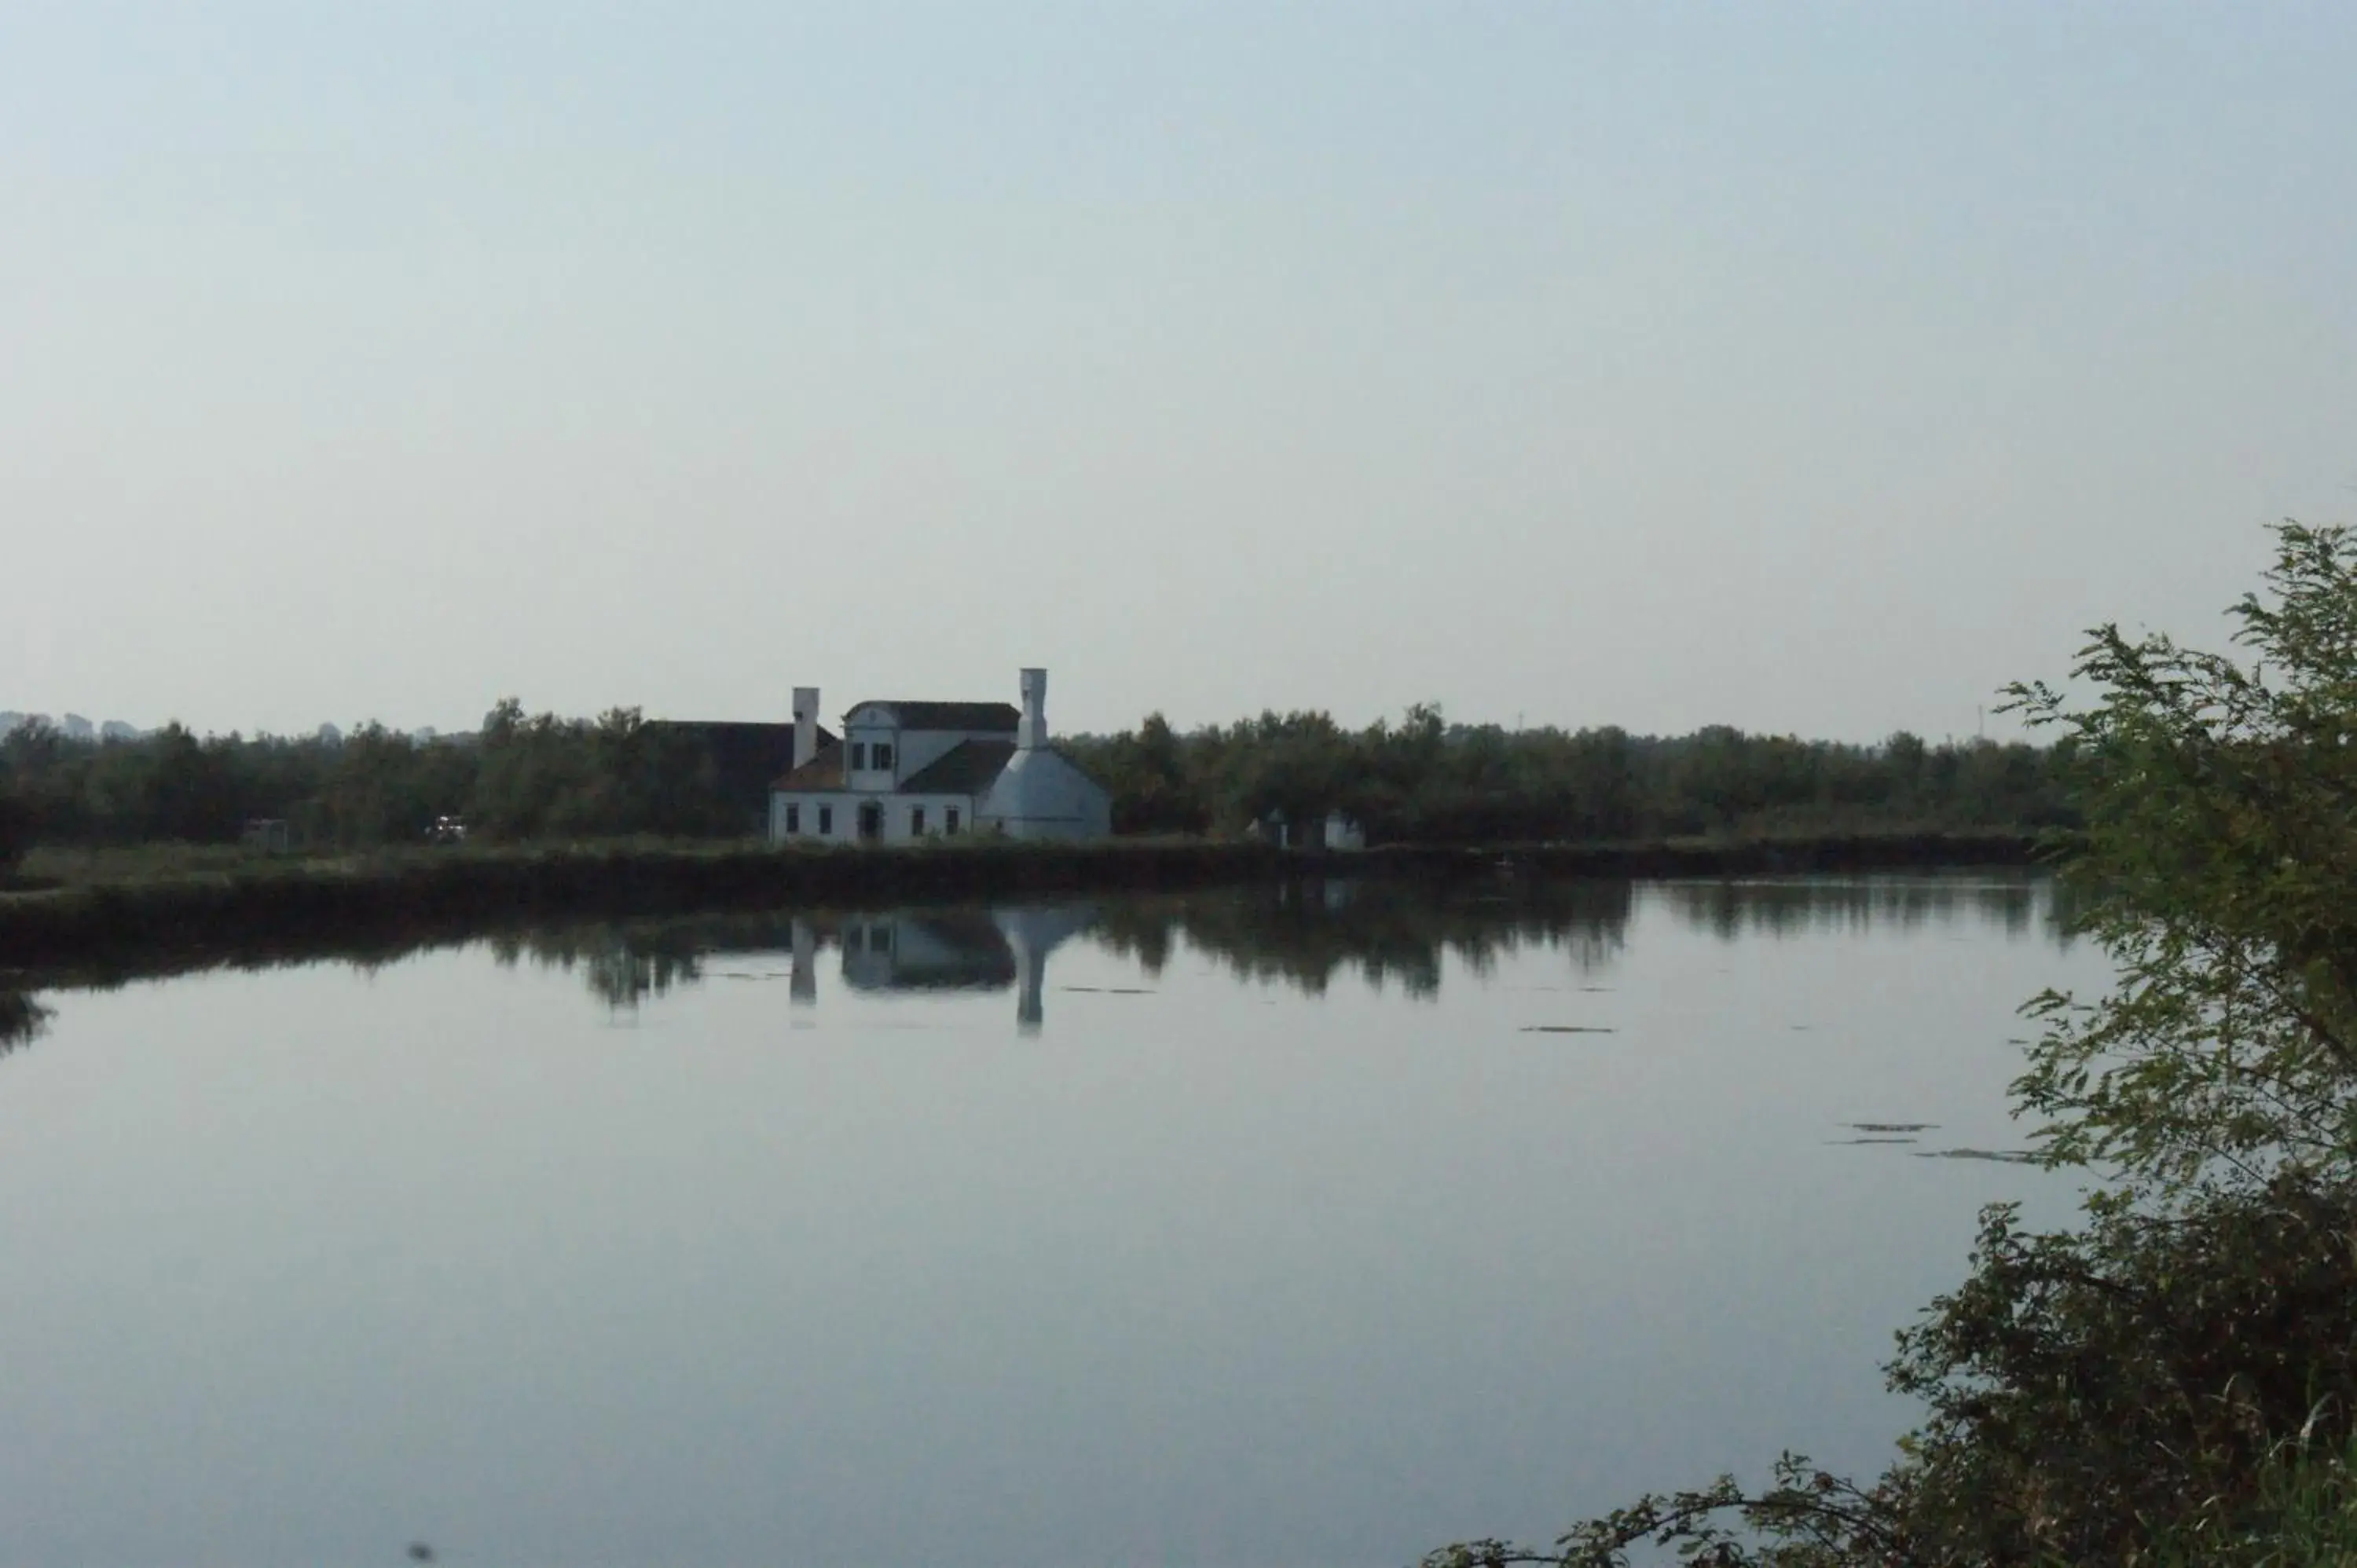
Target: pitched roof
x=965 y=768
x=824 y=771
x=949 y=716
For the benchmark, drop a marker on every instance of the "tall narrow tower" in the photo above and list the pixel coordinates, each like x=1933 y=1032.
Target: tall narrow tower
x=805 y=724
x=1032 y=733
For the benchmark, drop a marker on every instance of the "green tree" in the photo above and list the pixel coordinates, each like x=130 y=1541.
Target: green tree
x=2107 y=1393
x=2221 y=821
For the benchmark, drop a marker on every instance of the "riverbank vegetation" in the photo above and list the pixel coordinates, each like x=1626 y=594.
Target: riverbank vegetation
x=2176 y=1380
x=541 y=779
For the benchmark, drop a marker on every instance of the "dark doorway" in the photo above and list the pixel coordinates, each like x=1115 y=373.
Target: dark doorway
x=871 y=821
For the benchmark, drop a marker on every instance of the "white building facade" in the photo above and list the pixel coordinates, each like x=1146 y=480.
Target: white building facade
x=911 y=770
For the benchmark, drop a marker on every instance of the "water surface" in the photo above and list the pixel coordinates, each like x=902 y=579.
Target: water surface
x=1319 y=1225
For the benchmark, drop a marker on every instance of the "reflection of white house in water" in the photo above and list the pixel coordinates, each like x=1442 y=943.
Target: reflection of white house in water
x=919 y=770
x=943 y=951
x=954 y=950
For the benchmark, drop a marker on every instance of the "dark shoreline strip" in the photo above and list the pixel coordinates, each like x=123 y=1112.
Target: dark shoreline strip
x=302 y=904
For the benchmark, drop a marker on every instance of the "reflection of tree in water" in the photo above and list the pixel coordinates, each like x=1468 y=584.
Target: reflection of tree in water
x=1730 y=909
x=623 y=964
x=1305 y=933
x=22 y=1019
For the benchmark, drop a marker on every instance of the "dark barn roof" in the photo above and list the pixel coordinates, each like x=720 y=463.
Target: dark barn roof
x=745 y=758
x=950 y=715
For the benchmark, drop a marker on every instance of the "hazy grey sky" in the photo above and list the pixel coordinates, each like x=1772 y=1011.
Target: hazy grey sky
x=1803 y=367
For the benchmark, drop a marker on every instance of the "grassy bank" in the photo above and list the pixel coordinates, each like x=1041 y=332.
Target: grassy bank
x=163 y=901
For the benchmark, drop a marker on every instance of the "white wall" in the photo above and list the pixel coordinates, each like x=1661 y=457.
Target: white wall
x=846 y=823
x=846 y=804
x=936 y=809
x=870 y=734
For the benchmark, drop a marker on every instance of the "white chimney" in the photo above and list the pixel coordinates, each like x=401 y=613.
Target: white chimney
x=805 y=724
x=1033 y=731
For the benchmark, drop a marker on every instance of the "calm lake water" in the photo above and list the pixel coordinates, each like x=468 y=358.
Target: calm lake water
x=1315 y=1226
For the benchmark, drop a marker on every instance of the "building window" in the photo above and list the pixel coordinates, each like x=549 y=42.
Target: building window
x=859 y=757
x=949 y=820
x=826 y=822
x=854 y=940
x=879 y=938
x=916 y=821
x=883 y=755
x=793 y=818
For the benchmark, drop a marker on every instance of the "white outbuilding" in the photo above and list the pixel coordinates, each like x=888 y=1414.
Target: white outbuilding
x=916 y=770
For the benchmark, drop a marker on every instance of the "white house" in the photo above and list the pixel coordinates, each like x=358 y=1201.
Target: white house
x=908 y=770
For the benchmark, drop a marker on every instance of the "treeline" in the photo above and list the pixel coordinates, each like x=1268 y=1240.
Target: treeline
x=520 y=777
x=1424 y=780
x=525 y=777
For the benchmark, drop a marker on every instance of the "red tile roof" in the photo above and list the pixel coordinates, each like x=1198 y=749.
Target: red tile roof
x=824 y=771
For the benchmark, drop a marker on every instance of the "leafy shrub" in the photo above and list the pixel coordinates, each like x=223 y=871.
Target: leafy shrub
x=2303 y=1515
x=2126 y=1393
x=2118 y=1395
x=2093 y=1392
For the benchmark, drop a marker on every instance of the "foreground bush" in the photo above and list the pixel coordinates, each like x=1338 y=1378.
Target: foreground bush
x=2304 y=1514
x=2129 y=1392
x=2118 y=1395
x=2091 y=1393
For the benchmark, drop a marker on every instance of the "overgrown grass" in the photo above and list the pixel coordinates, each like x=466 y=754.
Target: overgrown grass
x=52 y=867
x=2304 y=1514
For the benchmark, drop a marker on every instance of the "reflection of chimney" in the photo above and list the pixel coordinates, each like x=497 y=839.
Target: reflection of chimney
x=805 y=724
x=803 y=988
x=1030 y=974
x=1033 y=731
